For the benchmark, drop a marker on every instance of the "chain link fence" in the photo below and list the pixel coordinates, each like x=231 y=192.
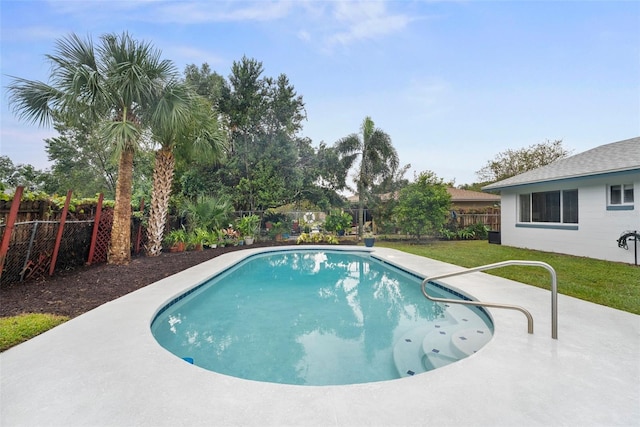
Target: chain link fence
x=32 y=244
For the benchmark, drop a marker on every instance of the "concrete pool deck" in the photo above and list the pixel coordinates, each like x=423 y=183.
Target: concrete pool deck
x=104 y=368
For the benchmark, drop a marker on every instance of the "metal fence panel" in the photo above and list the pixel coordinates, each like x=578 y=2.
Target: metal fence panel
x=32 y=243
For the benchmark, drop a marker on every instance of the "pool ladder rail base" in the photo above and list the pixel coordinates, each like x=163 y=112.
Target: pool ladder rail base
x=554 y=292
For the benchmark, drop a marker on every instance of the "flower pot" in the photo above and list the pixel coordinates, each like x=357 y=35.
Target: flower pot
x=369 y=241
x=248 y=240
x=179 y=247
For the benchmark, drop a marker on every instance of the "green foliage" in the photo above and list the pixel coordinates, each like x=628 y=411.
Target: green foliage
x=208 y=213
x=179 y=235
x=267 y=165
x=17 y=329
x=56 y=202
x=477 y=231
x=513 y=162
x=423 y=205
x=338 y=221
x=317 y=238
x=377 y=156
x=279 y=228
x=248 y=225
x=274 y=216
x=12 y=176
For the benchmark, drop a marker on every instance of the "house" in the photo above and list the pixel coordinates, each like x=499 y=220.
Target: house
x=581 y=205
x=466 y=200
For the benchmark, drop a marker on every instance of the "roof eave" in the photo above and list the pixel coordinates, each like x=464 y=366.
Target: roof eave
x=496 y=186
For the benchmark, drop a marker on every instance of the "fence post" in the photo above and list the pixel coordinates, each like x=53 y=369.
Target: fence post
x=11 y=220
x=31 y=240
x=56 y=247
x=94 y=234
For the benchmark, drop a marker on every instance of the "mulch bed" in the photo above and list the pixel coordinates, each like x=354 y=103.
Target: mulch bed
x=71 y=293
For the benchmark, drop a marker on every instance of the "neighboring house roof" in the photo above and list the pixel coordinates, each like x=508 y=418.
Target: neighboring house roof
x=621 y=156
x=458 y=195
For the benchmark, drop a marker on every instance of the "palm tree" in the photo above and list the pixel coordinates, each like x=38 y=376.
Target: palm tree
x=378 y=159
x=115 y=84
x=191 y=130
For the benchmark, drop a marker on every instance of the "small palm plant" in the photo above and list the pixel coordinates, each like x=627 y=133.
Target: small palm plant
x=248 y=226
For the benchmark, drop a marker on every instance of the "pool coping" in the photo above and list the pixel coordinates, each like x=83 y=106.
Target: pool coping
x=105 y=368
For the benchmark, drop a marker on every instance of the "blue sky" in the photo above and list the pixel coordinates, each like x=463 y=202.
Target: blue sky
x=453 y=83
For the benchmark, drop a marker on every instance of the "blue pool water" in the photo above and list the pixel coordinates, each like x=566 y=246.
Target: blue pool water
x=318 y=317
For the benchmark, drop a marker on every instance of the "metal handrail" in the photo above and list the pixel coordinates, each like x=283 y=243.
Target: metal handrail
x=554 y=292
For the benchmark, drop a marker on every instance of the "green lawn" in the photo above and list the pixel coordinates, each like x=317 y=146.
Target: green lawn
x=612 y=284
x=17 y=329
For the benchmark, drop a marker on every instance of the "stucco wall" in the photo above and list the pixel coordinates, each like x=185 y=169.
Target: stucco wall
x=598 y=228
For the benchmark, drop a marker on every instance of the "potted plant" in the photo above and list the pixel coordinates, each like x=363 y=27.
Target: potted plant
x=231 y=236
x=220 y=238
x=176 y=240
x=369 y=240
x=197 y=238
x=211 y=239
x=278 y=229
x=338 y=222
x=248 y=227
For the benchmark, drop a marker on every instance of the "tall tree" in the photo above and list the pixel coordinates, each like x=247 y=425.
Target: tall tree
x=207 y=83
x=513 y=162
x=423 y=205
x=25 y=175
x=115 y=84
x=263 y=115
x=191 y=130
x=378 y=159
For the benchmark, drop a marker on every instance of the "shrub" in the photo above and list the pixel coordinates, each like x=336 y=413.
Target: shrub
x=338 y=221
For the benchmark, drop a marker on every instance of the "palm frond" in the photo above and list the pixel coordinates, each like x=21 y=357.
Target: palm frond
x=33 y=101
x=123 y=134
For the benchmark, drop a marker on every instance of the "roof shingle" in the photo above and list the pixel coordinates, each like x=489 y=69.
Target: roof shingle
x=614 y=157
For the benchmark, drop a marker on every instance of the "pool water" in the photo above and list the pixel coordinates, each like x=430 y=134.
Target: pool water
x=318 y=317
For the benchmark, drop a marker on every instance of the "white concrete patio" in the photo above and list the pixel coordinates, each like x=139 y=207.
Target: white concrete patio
x=104 y=368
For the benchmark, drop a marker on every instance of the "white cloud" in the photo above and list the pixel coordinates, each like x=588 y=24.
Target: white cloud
x=189 y=55
x=30 y=34
x=182 y=12
x=201 y=12
x=365 y=20
x=304 y=35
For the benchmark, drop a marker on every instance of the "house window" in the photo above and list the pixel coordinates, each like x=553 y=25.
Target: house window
x=621 y=194
x=549 y=206
x=525 y=208
x=545 y=206
x=570 y=206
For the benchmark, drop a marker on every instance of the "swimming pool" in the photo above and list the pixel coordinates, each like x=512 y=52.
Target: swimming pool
x=318 y=317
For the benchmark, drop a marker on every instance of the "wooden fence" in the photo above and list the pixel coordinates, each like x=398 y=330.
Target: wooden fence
x=491 y=220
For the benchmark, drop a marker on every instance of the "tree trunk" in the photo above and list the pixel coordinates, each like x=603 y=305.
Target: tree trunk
x=120 y=248
x=360 y=211
x=162 y=180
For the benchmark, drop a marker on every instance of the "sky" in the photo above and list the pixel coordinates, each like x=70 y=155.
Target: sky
x=453 y=83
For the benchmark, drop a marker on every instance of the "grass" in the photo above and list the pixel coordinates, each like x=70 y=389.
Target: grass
x=17 y=329
x=613 y=284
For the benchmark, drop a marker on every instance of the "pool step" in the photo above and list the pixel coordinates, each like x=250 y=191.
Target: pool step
x=452 y=344
x=435 y=345
x=407 y=352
